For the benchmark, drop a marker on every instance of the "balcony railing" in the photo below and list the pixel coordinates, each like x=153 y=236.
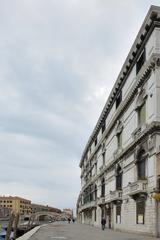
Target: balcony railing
x=115 y=195
x=138 y=187
x=134 y=188
x=88 y=205
x=101 y=201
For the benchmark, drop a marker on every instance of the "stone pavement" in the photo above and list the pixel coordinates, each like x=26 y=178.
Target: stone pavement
x=76 y=231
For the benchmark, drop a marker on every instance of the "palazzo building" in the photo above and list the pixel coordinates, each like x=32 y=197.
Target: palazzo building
x=15 y=204
x=120 y=165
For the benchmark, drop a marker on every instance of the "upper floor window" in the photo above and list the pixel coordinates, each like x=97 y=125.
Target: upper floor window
x=95 y=192
x=142 y=115
x=140 y=61
x=103 y=126
x=119 y=140
x=95 y=168
x=119 y=130
x=103 y=187
x=119 y=178
x=141 y=164
x=103 y=157
x=118 y=99
x=141 y=106
x=95 y=142
x=90 y=193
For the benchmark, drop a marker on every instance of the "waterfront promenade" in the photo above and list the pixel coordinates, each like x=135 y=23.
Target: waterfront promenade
x=81 y=232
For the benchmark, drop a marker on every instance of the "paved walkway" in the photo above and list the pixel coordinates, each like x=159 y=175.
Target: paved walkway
x=76 y=231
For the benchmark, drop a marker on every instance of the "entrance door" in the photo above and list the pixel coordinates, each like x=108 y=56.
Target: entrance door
x=109 y=218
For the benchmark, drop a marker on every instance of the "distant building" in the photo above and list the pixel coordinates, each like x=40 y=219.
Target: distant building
x=120 y=165
x=68 y=212
x=16 y=204
x=42 y=208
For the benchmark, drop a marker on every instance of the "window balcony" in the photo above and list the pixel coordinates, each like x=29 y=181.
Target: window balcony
x=137 y=188
x=88 y=205
x=114 y=196
x=101 y=201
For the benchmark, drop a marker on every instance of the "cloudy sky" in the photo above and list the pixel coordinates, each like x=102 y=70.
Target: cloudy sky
x=58 y=62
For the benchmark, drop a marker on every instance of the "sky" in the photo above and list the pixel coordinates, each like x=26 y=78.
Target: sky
x=59 y=60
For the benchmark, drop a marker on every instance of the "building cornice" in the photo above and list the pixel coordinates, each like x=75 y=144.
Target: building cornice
x=151 y=21
x=139 y=81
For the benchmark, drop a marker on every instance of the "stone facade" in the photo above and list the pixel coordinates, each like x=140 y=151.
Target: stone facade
x=120 y=165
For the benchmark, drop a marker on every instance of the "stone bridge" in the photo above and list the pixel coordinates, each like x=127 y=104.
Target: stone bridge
x=35 y=218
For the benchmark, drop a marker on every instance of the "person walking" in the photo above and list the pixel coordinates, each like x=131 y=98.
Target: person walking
x=103 y=223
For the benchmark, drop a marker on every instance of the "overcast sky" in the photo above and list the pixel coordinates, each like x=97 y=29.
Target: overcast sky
x=59 y=60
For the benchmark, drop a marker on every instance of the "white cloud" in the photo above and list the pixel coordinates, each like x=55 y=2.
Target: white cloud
x=58 y=63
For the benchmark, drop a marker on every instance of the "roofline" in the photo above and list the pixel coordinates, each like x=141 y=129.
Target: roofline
x=153 y=10
x=14 y=197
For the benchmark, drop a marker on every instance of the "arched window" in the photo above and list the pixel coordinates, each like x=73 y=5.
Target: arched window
x=95 y=192
x=141 y=164
x=141 y=106
x=119 y=130
x=103 y=187
x=90 y=193
x=119 y=178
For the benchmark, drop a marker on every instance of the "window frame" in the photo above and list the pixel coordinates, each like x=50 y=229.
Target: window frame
x=118 y=210
x=141 y=165
x=140 y=61
x=118 y=99
x=103 y=187
x=119 y=140
x=141 y=118
x=140 y=216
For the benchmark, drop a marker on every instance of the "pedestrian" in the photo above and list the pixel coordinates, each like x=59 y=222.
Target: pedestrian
x=69 y=220
x=103 y=223
x=12 y=234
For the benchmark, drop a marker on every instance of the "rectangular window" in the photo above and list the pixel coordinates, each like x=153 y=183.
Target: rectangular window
x=95 y=214
x=142 y=115
x=95 y=168
x=140 y=211
x=118 y=99
x=103 y=126
x=103 y=156
x=158 y=184
x=118 y=213
x=140 y=61
x=119 y=140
